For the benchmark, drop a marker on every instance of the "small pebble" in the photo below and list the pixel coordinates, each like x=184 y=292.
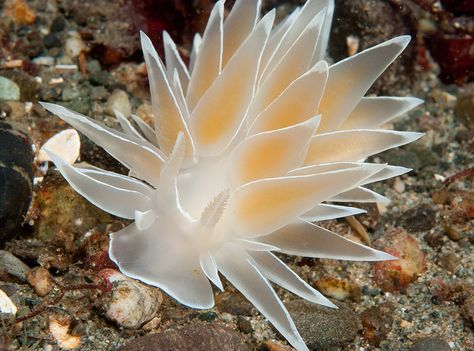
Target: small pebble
x=129 y=303
x=339 y=289
x=450 y=261
x=9 y=90
x=453 y=232
x=40 y=279
x=244 y=324
x=399 y=185
x=396 y=275
x=44 y=60
x=98 y=93
x=11 y=266
x=275 y=346
x=225 y=317
x=74 y=44
x=208 y=316
x=119 y=101
x=58 y=24
x=52 y=40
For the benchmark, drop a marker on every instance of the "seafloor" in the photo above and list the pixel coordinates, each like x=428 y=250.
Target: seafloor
x=85 y=55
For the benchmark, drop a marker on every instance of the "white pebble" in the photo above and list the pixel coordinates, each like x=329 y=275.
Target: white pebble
x=44 y=60
x=74 y=44
x=399 y=185
x=119 y=101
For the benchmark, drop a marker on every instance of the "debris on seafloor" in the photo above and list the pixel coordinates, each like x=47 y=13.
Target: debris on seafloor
x=59 y=327
x=129 y=303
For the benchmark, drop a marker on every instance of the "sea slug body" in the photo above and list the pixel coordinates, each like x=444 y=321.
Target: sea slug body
x=251 y=143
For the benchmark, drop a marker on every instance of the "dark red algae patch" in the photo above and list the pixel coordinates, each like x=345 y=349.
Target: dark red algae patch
x=180 y=18
x=451 y=42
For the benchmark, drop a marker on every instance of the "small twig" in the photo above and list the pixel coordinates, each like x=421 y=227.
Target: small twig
x=359 y=229
x=458 y=176
x=43 y=307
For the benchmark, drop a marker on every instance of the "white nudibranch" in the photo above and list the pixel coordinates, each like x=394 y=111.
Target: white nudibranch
x=252 y=141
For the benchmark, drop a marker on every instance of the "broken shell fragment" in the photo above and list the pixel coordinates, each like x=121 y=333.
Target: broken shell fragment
x=59 y=329
x=65 y=143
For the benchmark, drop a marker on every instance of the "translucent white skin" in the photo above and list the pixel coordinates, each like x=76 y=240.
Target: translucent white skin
x=248 y=144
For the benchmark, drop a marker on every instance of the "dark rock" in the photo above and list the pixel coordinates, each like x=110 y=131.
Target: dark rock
x=375 y=324
x=464 y=110
x=207 y=316
x=207 y=337
x=430 y=344
x=16 y=179
x=419 y=219
x=12 y=268
x=58 y=24
x=434 y=240
x=323 y=327
x=372 y=22
x=51 y=40
x=234 y=304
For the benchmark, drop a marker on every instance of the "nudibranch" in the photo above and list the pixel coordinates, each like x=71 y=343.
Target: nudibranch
x=252 y=142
